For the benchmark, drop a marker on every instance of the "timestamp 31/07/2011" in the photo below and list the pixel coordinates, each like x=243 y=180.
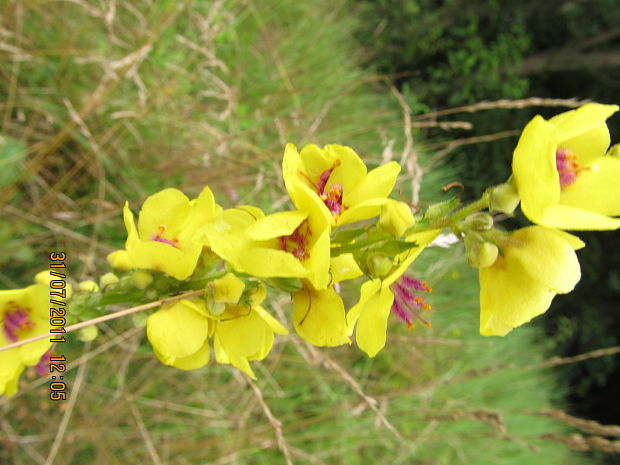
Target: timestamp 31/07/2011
x=58 y=312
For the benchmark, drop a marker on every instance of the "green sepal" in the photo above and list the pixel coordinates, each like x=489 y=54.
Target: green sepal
x=441 y=209
x=348 y=235
x=288 y=285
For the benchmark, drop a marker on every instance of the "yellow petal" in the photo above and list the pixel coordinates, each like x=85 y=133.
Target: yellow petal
x=350 y=171
x=509 y=297
x=534 y=168
x=367 y=291
x=343 y=267
x=319 y=317
x=202 y=209
x=10 y=370
x=597 y=188
x=565 y=217
x=169 y=207
x=276 y=225
x=377 y=184
x=536 y=264
x=371 y=329
x=318 y=259
x=274 y=324
x=573 y=123
x=362 y=211
x=590 y=145
x=191 y=362
x=268 y=262
x=177 y=331
x=241 y=335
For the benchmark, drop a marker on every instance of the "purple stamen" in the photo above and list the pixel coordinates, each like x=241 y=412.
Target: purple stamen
x=14 y=321
x=567 y=166
x=42 y=366
x=406 y=301
x=401 y=312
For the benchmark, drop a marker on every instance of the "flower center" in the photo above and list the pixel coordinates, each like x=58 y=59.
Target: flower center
x=407 y=302
x=567 y=166
x=16 y=319
x=333 y=197
x=297 y=243
x=158 y=237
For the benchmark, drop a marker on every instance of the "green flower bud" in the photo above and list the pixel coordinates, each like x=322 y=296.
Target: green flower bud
x=478 y=222
x=108 y=279
x=142 y=279
x=504 y=198
x=480 y=254
x=88 y=333
x=396 y=217
x=379 y=265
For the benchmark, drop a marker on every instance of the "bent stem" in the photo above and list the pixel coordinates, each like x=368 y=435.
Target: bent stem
x=110 y=316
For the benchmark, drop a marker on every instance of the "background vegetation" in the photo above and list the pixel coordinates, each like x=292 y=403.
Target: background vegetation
x=111 y=100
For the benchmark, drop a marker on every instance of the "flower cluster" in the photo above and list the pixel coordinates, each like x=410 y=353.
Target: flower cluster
x=220 y=262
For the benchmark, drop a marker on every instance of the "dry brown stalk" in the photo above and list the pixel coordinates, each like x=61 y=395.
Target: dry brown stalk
x=587 y=426
x=583 y=443
x=505 y=104
x=273 y=421
x=493 y=419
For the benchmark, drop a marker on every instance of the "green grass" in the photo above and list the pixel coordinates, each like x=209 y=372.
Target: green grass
x=221 y=88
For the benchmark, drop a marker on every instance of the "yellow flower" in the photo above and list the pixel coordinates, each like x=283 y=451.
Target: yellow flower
x=336 y=179
x=534 y=265
x=563 y=176
x=243 y=334
x=179 y=334
x=377 y=299
x=319 y=317
x=166 y=226
x=285 y=244
x=23 y=314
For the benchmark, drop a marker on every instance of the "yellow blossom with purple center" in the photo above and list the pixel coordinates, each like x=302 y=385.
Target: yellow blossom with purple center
x=337 y=180
x=167 y=223
x=564 y=176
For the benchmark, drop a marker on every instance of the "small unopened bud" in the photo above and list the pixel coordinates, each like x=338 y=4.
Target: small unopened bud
x=227 y=289
x=396 y=217
x=88 y=286
x=478 y=221
x=108 y=279
x=142 y=279
x=45 y=277
x=504 y=198
x=480 y=254
x=119 y=259
x=88 y=334
x=258 y=294
x=379 y=265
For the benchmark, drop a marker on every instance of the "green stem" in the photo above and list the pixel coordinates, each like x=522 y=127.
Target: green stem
x=464 y=212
